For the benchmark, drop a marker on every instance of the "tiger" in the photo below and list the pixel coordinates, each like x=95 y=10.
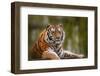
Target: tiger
x=49 y=44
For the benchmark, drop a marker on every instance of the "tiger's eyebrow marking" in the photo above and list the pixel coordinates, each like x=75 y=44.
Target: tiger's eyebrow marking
x=59 y=29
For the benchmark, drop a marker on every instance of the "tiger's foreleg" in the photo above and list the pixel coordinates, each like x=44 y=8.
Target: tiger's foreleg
x=70 y=55
x=50 y=55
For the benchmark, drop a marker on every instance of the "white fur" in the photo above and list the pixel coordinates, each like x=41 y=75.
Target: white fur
x=52 y=29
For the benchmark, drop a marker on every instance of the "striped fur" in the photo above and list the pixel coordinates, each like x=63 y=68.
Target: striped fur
x=49 y=44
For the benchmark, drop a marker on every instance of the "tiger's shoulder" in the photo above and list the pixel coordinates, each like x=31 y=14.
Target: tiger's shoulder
x=39 y=46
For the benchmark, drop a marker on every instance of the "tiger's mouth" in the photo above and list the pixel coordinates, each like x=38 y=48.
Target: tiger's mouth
x=57 y=41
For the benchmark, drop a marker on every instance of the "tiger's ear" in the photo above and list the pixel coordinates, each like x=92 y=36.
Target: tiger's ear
x=48 y=26
x=61 y=25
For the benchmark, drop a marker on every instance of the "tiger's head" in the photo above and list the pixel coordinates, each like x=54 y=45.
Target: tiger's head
x=55 y=34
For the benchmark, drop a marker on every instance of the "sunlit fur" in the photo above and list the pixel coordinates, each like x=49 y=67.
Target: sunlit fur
x=49 y=44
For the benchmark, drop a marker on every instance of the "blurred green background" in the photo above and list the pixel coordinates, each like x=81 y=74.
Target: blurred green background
x=76 y=31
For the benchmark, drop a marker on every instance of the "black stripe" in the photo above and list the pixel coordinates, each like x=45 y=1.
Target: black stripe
x=59 y=51
x=48 y=33
x=62 y=36
x=39 y=48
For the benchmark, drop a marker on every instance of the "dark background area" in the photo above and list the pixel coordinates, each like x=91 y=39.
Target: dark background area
x=76 y=31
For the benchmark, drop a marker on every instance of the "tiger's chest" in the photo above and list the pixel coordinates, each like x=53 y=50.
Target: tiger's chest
x=57 y=50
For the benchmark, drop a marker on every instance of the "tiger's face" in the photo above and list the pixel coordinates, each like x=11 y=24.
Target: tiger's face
x=55 y=34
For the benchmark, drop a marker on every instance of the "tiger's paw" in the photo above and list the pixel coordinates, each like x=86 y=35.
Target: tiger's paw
x=50 y=55
x=81 y=56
